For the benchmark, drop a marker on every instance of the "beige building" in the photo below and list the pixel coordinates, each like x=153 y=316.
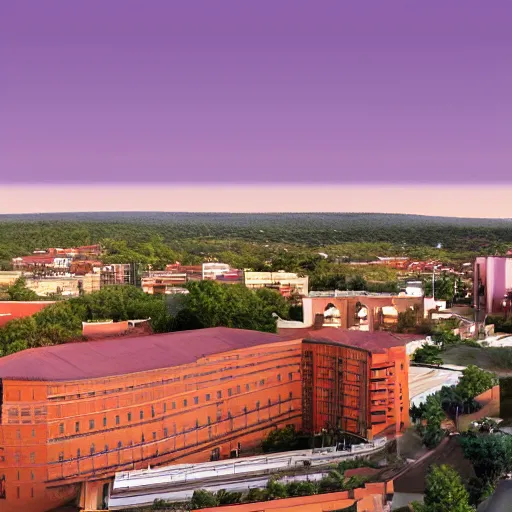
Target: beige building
x=66 y=285
x=287 y=283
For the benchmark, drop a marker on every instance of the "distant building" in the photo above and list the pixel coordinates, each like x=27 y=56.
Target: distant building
x=492 y=281
x=287 y=283
x=361 y=311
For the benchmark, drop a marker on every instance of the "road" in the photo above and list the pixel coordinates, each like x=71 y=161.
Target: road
x=425 y=381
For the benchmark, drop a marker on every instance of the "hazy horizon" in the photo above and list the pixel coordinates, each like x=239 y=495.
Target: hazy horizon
x=464 y=201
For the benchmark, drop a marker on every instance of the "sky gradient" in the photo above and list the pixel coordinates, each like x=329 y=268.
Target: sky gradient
x=326 y=91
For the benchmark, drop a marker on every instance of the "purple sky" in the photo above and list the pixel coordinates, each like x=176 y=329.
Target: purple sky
x=269 y=90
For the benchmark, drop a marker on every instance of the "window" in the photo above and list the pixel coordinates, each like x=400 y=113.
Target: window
x=229 y=414
x=185 y=403
x=245 y=409
x=279 y=398
x=258 y=405
x=17 y=457
x=61 y=428
x=269 y=402
x=197 y=423
x=219 y=394
x=165 y=408
x=106 y=447
x=142 y=438
x=278 y=377
x=61 y=456
x=154 y=436
x=238 y=389
x=77 y=426
x=119 y=444
x=262 y=382
x=290 y=376
x=196 y=400
x=117 y=420
x=91 y=424
x=230 y=392
x=105 y=421
x=141 y=415
x=33 y=432
x=173 y=405
x=32 y=475
x=166 y=432
x=18 y=492
x=290 y=395
x=129 y=416
x=209 y=420
x=208 y=397
x=152 y=411
x=78 y=453
x=18 y=475
x=32 y=457
x=247 y=387
x=219 y=415
x=93 y=449
x=32 y=491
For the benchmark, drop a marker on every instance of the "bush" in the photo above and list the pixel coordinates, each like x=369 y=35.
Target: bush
x=429 y=354
x=281 y=440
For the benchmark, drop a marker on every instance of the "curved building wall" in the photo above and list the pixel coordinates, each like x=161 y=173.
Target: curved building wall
x=54 y=435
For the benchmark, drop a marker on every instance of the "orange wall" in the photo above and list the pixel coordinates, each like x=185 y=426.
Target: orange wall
x=230 y=398
x=369 y=498
x=103 y=329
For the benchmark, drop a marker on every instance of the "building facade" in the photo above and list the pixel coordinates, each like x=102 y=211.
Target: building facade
x=492 y=281
x=73 y=415
x=287 y=283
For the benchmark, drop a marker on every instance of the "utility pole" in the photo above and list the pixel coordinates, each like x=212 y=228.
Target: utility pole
x=433 y=282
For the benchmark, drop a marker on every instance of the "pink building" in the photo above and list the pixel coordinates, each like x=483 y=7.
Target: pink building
x=492 y=281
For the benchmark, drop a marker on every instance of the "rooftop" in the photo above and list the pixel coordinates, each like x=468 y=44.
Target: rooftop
x=95 y=359
x=110 y=357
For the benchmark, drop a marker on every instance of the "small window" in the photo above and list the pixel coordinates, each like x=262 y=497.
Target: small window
x=238 y=389
x=166 y=433
x=91 y=424
x=229 y=414
x=262 y=382
x=61 y=428
x=61 y=456
x=18 y=492
x=119 y=444
x=230 y=392
x=278 y=377
x=209 y=420
x=269 y=402
x=185 y=403
x=78 y=453
x=173 y=405
x=105 y=421
x=77 y=426
x=152 y=411
x=219 y=394
x=154 y=436
x=290 y=395
x=93 y=449
x=32 y=476
x=33 y=432
x=197 y=423
x=129 y=416
x=142 y=438
x=196 y=400
x=208 y=397
x=32 y=457
x=106 y=447
x=258 y=405
x=165 y=408
x=141 y=415
x=247 y=387
x=117 y=420
x=290 y=376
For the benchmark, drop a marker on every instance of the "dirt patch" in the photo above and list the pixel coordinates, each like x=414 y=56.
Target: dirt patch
x=497 y=359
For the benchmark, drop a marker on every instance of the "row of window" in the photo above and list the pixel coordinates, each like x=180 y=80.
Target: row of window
x=92 y=424
x=92 y=450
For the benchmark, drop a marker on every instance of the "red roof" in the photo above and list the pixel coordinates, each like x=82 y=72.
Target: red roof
x=10 y=309
x=36 y=259
x=377 y=341
x=94 y=359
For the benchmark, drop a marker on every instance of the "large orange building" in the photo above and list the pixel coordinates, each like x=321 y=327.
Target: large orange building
x=72 y=415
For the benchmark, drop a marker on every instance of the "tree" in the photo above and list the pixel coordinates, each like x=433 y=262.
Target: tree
x=429 y=354
x=203 y=499
x=491 y=455
x=274 y=301
x=433 y=415
x=281 y=440
x=210 y=304
x=444 y=492
x=475 y=381
x=19 y=291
